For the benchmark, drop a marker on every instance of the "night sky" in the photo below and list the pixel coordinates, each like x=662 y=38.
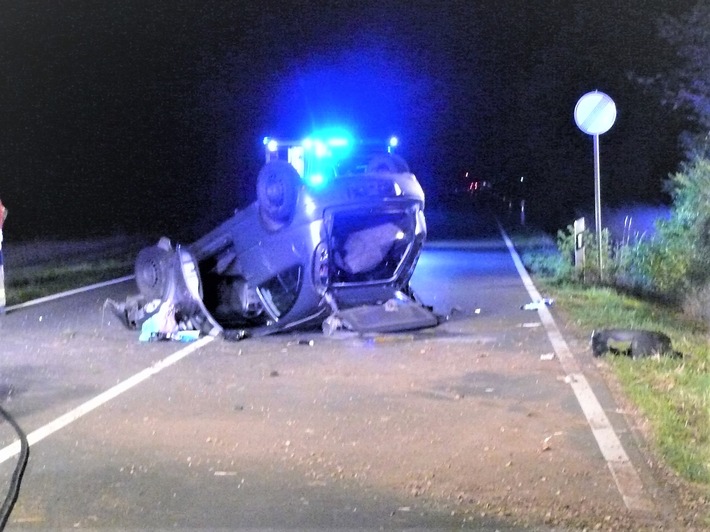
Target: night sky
x=147 y=115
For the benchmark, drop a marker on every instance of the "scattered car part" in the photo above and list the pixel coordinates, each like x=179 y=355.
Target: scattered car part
x=534 y=305
x=635 y=343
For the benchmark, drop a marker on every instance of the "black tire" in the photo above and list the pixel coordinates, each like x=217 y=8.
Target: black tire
x=388 y=163
x=152 y=272
x=277 y=189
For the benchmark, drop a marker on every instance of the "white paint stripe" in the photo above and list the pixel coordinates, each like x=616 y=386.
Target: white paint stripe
x=627 y=479
x=69 y=293
x=123 y=386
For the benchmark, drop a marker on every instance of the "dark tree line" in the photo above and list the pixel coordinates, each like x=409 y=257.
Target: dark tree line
x=150 y=114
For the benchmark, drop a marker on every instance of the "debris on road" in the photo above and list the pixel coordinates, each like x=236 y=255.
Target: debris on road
x=389 y=338
x=302 y=341
x=186 y=336
x=157 y=320
x=546 y=445
x=456 y=312
x=535 y=305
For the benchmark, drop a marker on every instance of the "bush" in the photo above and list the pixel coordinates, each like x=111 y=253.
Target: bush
x=676 y=261
x=550 y=265
x=589 y=271
x=620 y=261
x=674 y=265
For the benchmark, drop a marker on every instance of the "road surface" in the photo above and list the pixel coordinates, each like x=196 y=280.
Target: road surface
x=475 y=424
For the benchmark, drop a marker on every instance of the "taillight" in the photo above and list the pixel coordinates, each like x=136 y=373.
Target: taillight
x=321 y=268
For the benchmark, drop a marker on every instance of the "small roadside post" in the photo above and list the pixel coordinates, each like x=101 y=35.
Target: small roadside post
x=579 y=245
x=594 y=114
x=3 y=215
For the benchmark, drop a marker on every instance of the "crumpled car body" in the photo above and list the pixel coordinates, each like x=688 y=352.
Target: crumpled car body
x=338 y=251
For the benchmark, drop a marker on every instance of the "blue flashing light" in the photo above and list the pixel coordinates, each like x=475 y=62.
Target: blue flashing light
x=392 y=144
x=322 y=152
x=316 y=180
x=318 y=156
x=321 y=149
x=338 y=142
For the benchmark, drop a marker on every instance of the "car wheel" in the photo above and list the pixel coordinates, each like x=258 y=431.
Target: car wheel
x=277 y=189
x=389 y=163
x=152 y=272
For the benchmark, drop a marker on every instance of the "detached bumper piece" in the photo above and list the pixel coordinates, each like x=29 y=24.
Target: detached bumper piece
x=397 y=314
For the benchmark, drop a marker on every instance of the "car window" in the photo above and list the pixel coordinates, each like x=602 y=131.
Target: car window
x=279 y=293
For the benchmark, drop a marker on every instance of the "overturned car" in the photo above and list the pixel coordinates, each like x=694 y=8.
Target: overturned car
x=331 y=240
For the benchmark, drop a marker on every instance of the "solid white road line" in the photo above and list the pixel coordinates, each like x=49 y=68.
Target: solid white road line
x=123 y=386
x=68 y=293
x=625 y=475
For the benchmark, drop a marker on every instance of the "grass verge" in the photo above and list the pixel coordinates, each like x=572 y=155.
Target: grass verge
x=673 y=394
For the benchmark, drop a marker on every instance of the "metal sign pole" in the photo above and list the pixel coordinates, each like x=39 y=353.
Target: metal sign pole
x=594 y=114
x=598 y=205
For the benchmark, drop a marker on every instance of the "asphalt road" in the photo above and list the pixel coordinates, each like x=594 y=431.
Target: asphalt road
x=472 y=424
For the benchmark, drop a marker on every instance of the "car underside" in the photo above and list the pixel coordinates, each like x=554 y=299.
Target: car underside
x=338 y=253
